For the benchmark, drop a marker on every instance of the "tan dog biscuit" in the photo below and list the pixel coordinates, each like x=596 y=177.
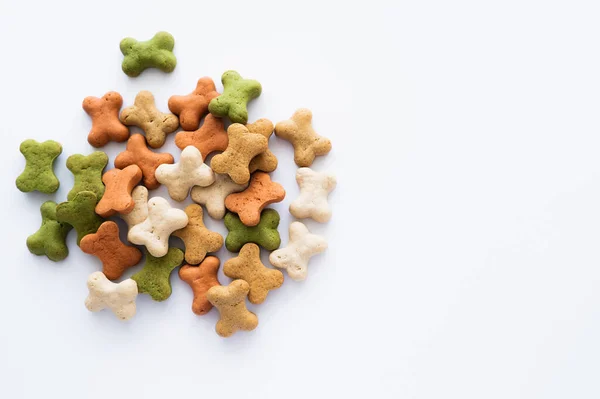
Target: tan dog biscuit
x=243 y=146
x=137 y=153
x=106 y=125
x=197 y=238
x=192 y=107
x=147 y=117
x=117 y=197
x=248 y=267
x=299 y=131
x=249 y=203
x=265 y=161
x=209 y=138
x=230 y=301
x=201 y=278
x=213 y=196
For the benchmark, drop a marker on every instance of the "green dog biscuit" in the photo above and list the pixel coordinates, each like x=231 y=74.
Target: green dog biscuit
x=39 y=174
x=155 y=278
x=154 y=53
x=80 y=213
x=264 y=234
x=88 y=173
x=50 y=239
x=237 y=92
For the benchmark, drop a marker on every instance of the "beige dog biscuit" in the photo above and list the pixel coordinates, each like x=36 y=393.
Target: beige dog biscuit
x=265 y=161
x=314 y=189
x=213 y=196
x=140 y=210
x=230 y=301
x=197 y=238
x=120 y=298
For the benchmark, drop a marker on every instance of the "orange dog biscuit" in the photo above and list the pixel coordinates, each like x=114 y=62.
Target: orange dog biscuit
x=117 y=196
x=192 y=107
x=106 y=125
x=249 y=203
x=197 y=238
x=209 y=138
x=201 y=278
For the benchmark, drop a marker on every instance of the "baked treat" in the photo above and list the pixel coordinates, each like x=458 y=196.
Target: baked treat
x=249 y=203
x=117 y=196
x=50 y=239
x=106 y=125
x=138 y=153
x=79 y=213
x=230 y=301
x=213 y=196
x=201 y=278
x=87 y=171
x=314 y=190
x=264 y=233
x=237 y=92
x=197 y=238
x=154 y=53
x=192 y=107
x=209 y=138
x=155 y=278
x=140 y=209
x=119 y=298
x=265 y=161
x=39 y=173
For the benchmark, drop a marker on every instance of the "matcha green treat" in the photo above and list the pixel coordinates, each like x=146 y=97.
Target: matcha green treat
x=88 y=173
x=237 y=92
x=50 y=239
x=155 y=278
x=39 y=174
x=80 y=213
x=154 y=53
x=264 y=234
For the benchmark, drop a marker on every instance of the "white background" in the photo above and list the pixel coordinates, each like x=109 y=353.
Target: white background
x=463 y=259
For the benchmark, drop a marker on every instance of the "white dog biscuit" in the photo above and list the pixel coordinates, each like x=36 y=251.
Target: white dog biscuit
x=120 y=298
x=213 y=196
x=140 y=211
x=314 y=189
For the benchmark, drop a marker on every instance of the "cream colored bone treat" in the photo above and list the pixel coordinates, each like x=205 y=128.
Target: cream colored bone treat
x=120 y=298
x=154 y=232
x=190 y=171
x=230 y=301
x=140 y=211
x=213 y=196
x=314 y=189
x=295 y=256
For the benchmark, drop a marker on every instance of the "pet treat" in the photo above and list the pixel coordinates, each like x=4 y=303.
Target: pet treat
x=249 y=203
x=106 y=125
x=140 y=210
x=39 y=163
x=243 y=146
x=213 y=196
x=209 y=138
x=155 y=278
x=50 y=239
x=190 y=171
x=230 y=301
x=79 y=213
x=314 y=189
x=154 y=232
x=154 y=53
x=201 y=278
x=192 y=107
x=248 y=267
x=264 y=233
x=197 y=238
x=265 y=161
x=301 y=247
x=117 y=197
x=106 y=245
x=137 y=153
x=147 y=117
x=237 y=92
x=87 y=171
x=299 y=131
x=120 y=298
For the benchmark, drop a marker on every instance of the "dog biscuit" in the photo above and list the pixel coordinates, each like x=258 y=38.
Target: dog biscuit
x=192 y=107
x=209 y=138
x=197 y=238
x=230 y=301
x=119 y=298
x=106 y=125
x=249 y=203
x=155 y=278
x=50 y=239
x=265 y=161
x=117 y=196
x=213 y=196
x=314 y=189
x=237 y=92
x=154 y=53
x=87 y=171
x=39 y=174
x=140 y=209
x=79 y=213
x=264 y=233
x=201 y=278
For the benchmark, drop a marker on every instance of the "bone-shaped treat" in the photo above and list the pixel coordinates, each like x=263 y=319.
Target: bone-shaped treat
x=50 y=239
x=147 y=117
x=201 y=278
x=154 y=232
x=140 y=209
x=230 y=301
x=264 y=233
x=248 y=267
x=190 y=171
x=87 y=171
x=192 y=107
x=154 y=53
x=295 y=256
x=209 y=138
x=314 y=189
x=79 y=213
x=249 y=203
x=243 y=146
x=120 y=298
x=237 y=92
x=213 y=196
x=265 y=161
x=106 y=125
x=197 y=238
x=39 y=174
x=138 y=153
x=117 y=196
x=155 y=278
x=106 y=245
x=299 y=131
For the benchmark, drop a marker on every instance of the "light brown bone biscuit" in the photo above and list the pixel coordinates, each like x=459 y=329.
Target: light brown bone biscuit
x=117 y=197
x=209 y=138
x=249 y=203
x=230 y=301
x=197 y=238
x=106 y=125
x=265 y=161
x=192 y=107
x=201 y=278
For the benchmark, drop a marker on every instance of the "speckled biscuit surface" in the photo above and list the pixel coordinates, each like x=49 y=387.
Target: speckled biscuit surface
x=106 y=125
x=39 y=167
x=264 y=233
x=106 y=245
x=249 y=203
x=119 y=298
x=213 y=196
x=140 y=209
x=192 y=107
x=265 y=161
x=87 y=171
x=201 y=279
x=190 y=171
x=314 y=190
x=197 y=238
x=230 y=301
x=243 y=146
x=299 y=131
x=301 y=247
x=248 y=267
x=154 y=53
x=117 y=196
x=209 y=138
x=237 y=92
x=144 y=114
x=155 y=278
x=50 y=239
x=79 y=213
